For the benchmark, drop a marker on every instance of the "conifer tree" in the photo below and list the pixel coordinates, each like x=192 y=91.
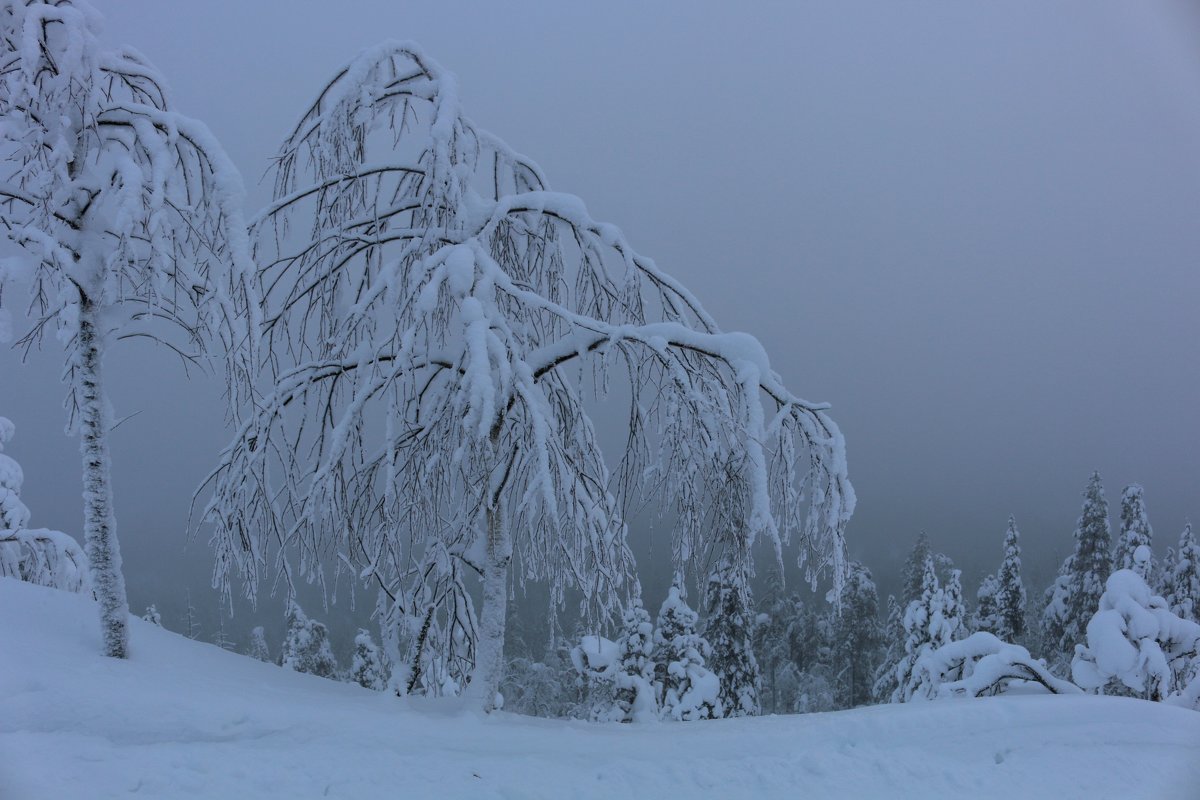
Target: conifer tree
x=914 y=567
x=688 y=690
x=635 y=697
x=893 y=652
x=771 y=645
x=729 y=630
x=954 y=610
x=1075 y=594
x=986 y=615
x=367 y=669
x=306 y=645
x=856 y=637
x=1183 y=582
x=152 y=616
x=1010 y=591
x=926 y=626
x=258 y=645
x=1135 y=532
x=191 y=627
x=221 y=638
x=14 y=515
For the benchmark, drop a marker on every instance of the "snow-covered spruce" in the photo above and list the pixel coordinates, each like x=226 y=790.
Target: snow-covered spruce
x=1073 y=597
x=597 y=664
x=306 y=645
x=14 y=515
x=1135 y=641
x=152 y=616
x=729 y=630
x=258 y=645
x=430 y=280
x=1010 y=590
x=885 y=679
x=986 y=616
x=368 y=668
x=926 y=628
x=953 y=609
x=980 y=665
x=636 y=699
x=41 y=556
x=1135 y=532
x=687 y=689
x=1182 y=583
x=856 y=638
x=126 y=213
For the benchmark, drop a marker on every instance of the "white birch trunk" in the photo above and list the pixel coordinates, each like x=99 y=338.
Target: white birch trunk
x=489 y=663
x=99 y=522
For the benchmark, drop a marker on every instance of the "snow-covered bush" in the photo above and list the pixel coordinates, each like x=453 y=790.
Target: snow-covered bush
x=980 y=665
x=1135 y=641
x=306 y=645
x=152 y=616
x=368 y=669
x=687 y=689
x=45 y=557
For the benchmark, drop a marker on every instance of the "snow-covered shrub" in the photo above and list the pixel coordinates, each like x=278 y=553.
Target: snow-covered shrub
x=980 y=665
x=152 y=616
x=45 y=557
x=537 y=689
x=41 y=556
x=1135 y=641
x=688 y=690
x=306 y=645
x=367 y=668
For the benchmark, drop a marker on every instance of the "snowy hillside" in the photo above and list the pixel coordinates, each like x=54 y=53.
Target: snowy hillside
x=184 y=719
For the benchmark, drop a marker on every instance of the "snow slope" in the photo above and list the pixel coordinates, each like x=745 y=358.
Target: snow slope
x=185 y=719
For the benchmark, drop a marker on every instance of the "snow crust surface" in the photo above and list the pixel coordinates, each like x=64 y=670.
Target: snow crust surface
x=183 y=719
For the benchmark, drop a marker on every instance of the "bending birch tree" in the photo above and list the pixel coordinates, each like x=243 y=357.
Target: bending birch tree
x=438 y=327
x=128 y=215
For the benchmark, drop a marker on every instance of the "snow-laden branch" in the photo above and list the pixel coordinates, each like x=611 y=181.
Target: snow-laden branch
x=438 y=331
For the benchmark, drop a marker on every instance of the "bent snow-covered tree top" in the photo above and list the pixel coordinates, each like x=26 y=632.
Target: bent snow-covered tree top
x=438 y=325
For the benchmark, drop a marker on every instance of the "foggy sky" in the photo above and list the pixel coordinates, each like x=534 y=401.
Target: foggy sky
x=973 y=228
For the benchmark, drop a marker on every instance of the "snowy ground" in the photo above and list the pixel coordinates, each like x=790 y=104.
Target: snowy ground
x=184 y=719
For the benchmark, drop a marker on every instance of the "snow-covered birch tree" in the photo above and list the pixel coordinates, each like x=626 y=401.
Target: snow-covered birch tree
x=127 y=214
x=437 y=323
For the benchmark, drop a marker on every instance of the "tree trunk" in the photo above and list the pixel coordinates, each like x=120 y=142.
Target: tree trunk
x=489 y=664
x=99 y=523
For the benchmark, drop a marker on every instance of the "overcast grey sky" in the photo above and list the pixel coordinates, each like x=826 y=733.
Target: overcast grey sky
x=972 y=227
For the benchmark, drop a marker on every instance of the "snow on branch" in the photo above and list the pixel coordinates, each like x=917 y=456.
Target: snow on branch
x=436 y=332
x=981 y=665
